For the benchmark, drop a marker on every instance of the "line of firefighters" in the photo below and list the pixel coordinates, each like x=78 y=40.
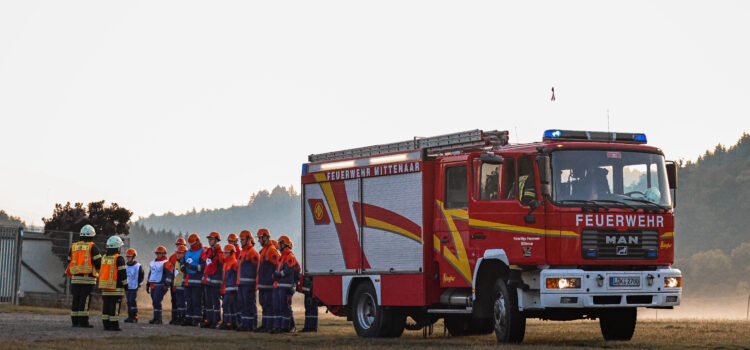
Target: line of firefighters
x=199 y=278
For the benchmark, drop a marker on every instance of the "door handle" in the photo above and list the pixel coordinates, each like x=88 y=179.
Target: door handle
x=478 y=236
x=444 y=241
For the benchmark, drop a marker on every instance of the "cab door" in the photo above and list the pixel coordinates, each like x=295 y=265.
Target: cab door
x=502 y=195
x=451 y=225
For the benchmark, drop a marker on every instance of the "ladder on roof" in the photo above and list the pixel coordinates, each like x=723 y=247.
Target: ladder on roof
x=432 y=145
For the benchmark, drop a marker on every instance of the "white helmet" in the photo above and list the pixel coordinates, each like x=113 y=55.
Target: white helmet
x=653 y=195
x=114 y=242
x=88 y=231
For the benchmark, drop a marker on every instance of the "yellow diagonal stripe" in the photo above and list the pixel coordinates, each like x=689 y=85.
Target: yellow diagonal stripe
x=370 y=222
x=330 y=199
x=460 y=262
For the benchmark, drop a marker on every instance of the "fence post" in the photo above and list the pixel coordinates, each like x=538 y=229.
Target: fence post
x=19 y=250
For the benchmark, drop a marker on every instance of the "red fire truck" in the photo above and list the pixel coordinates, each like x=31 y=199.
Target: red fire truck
x=484 y=234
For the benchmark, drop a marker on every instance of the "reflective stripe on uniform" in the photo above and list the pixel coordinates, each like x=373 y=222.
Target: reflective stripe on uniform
x=284 y=285
x=247 y=279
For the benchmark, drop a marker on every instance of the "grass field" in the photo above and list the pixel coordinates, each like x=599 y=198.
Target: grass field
x=337 y=333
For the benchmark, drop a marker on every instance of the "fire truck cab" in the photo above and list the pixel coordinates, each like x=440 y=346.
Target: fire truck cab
x=484 y=234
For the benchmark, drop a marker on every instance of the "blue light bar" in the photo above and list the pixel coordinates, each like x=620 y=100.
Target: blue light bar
x=304 y=169
x=552 y=134
x=639 y=138
x=594 y=136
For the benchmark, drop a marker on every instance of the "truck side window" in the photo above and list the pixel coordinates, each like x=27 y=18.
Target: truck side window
x=489 y=181
x=509 y=179
x=456 y=187
x=526 y=181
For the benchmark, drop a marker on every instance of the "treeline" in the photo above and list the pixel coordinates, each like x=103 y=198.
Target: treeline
x=9 y=220
x=277 y=210
x=713 y=221
x=145 y=240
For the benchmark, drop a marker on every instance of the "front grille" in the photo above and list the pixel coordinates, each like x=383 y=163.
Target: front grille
x=639 y=299
x=607 y=299
x=597 y=244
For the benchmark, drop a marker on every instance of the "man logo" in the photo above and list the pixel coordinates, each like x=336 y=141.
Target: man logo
x=318 y=209
x=622 y=250
x=629 y=240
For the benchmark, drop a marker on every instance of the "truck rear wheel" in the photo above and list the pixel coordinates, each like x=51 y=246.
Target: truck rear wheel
x=618 y=324
x=367 y=315
x=510 y=325
x=395 y=322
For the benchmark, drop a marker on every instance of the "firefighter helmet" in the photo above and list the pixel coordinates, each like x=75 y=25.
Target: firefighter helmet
x=193 y=239
x=263 y=232
x=284 y=239
x=232 y=237
x=274 y=243
x=131 y=252
x=182 y=249
x=214 y=235
x=114 y=242
x=161 y=249
x=247 y=234
x=88 y=231
x=180 y=241
x=229 y=248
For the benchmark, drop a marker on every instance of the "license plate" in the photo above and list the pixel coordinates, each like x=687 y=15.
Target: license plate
x=625 y=281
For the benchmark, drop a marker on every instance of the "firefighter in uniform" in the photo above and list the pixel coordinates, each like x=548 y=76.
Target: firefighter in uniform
x=135 y=281
x=232 y=239
x=178 y=286
x=287 y=274
x=113 y=281
x=269 y=258
x=214 y=257
x=172 y=260
x=311 y=306
x=248 y=270
x=194 y=266
x=229 y=288
x=159 y=280
x=85 y=261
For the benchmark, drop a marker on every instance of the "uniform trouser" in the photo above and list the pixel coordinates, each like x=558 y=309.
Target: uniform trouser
x=213 y=304
x=194 y=301
x=157 y=295
x=111 y=310
x=282 y=307
x=130 y=297
x=311 y=312
x=174 y=303
x=247 y=307
x=179 y=296
x=265 y=297
x=230 y=307
x=79 y=311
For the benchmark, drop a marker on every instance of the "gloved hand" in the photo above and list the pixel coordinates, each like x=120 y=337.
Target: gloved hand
x=189 y=260
x=208 y=261
x=148 y=288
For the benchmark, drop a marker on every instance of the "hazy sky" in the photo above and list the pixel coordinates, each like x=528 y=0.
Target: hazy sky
x=170 y=105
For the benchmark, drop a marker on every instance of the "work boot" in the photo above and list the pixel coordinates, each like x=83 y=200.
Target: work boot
x=84 y=322
x=74 y=321
x=225 y=326
x=154 y=322
x=130 y=318
x=305 y=330
x=261 y=329
x=187 y=322
x=207 y=324
x=242 y=328
x=135 y=318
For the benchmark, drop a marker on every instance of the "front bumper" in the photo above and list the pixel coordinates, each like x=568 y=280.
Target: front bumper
x=596 y=292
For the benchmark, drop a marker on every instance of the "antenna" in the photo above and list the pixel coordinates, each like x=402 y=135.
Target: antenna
x=607 y=119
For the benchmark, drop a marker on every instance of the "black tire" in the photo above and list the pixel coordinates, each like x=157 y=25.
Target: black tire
x=481 y=326
x=509 y=323
x=367 y=315
x=618 y=324
x=395 y=323
x=457 y=325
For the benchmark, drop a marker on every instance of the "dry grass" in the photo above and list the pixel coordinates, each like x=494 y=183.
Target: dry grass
x=338 y=334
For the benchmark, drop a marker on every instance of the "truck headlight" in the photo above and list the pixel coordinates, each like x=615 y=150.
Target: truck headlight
x=672 y=282
x=563 y=283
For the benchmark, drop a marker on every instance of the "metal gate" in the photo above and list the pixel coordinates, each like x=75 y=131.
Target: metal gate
x=11 y=241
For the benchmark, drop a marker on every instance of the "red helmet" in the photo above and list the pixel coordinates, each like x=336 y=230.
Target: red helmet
x=229 y=248
x=131 y=252
x=284 y=239
x=214 y=235
x=274 y=243
x=247 y=234
x=193 y=239
x=232 y=237
x=182 y=249
x=180 y=241
x=161 y=249
x=263 y=232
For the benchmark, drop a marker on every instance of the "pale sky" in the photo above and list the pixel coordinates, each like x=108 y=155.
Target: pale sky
x=169 y=105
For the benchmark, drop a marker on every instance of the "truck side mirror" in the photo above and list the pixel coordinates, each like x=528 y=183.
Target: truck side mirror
x=672 y=174
x=491 y=158
x=545 y=175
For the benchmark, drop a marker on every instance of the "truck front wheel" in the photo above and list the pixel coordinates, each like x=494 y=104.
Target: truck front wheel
x=367 y=315
x=510 y=325
x=618 y=324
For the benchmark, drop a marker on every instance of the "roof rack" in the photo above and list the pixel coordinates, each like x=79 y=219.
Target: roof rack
x=432 y=145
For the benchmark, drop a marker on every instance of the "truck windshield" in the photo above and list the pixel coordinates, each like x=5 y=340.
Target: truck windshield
x=610 y=176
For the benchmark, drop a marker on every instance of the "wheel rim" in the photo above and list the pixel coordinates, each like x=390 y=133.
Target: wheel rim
x=366 y=309
x=501 y=324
